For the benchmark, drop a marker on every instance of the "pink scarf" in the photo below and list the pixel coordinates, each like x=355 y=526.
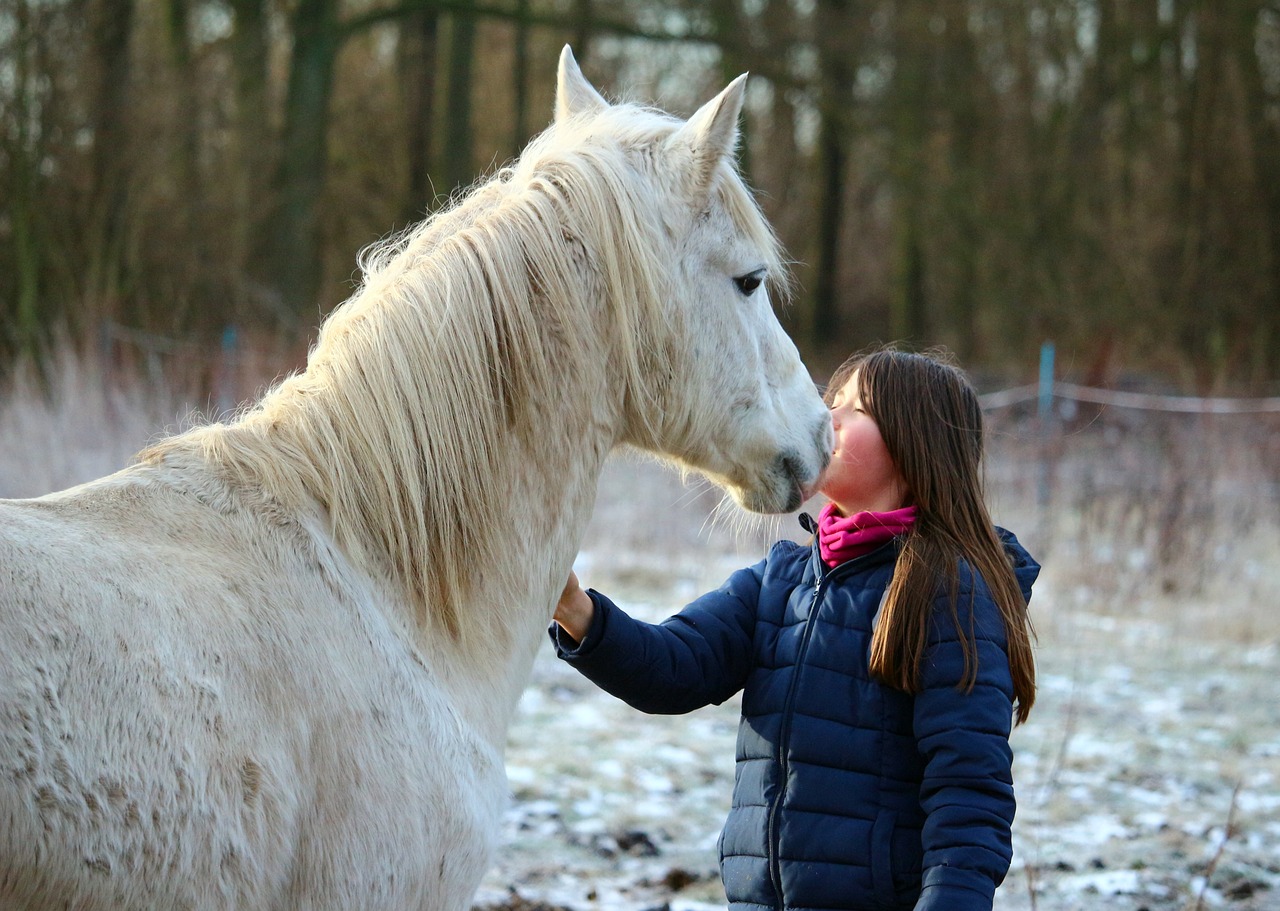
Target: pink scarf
x=842 y=538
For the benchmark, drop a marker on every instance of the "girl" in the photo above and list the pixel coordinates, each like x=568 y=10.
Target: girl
x=880 y=666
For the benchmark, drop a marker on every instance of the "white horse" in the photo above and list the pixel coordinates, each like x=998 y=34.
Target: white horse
x=273 y=663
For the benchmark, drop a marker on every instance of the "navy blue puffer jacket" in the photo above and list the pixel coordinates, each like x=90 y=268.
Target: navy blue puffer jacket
x=848 y=794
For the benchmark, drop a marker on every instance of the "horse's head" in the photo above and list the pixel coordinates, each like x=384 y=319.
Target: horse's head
x=716 y=382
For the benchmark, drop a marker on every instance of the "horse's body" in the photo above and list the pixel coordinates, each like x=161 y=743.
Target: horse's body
x=206 y=707
x=272 y=664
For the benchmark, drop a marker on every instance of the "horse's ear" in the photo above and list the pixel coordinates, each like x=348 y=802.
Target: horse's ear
x=712 y=132
x=574 y=95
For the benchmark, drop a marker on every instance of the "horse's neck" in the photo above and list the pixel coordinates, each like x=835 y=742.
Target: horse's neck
x=549 y=489
x=502 y=534
x=552 y=501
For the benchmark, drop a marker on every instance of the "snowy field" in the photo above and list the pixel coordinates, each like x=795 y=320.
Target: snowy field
x=1148 y=776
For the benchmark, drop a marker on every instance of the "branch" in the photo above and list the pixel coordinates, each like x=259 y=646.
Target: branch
x=1227 y=832
x=774 y=72
x=367 y=20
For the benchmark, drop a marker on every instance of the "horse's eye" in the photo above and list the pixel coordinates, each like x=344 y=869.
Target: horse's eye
x=747 y=284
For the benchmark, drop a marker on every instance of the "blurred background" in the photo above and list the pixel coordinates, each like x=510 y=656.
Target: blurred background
x=1080 y=197
x=184 y=177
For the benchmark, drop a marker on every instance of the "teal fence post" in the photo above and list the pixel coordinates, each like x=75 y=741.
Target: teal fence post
x=1044 y=411
x=1046 y=381
x=228 y=370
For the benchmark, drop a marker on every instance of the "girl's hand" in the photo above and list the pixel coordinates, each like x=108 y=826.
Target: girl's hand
x=575 y=609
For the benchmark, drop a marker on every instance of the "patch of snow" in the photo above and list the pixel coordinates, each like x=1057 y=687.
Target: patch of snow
x=1104 y=882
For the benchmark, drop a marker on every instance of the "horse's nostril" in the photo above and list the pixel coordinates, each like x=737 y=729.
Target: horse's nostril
x=825 y=439
x=792 y=468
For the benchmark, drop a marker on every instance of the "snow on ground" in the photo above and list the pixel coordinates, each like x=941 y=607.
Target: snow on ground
x=1148 y=776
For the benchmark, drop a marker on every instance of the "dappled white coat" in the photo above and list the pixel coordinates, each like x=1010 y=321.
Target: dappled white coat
x=272 y=664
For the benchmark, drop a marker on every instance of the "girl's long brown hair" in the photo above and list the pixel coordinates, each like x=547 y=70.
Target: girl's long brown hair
x=929 y=416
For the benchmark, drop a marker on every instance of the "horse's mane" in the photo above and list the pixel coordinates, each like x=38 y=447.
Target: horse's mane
x=461 y=333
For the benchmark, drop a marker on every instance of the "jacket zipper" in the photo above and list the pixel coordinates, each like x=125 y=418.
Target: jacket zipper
x=784 y=735
x=784 y=732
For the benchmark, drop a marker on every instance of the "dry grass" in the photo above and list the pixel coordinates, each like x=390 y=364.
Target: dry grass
x=75 y=424
x=1147 y=775
x=1172 y=518
x=86 y=413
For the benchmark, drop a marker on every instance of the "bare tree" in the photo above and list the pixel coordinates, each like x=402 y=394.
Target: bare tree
x=986 y=174
x=457 y=166
x=110 y=28
x=255 y=154
x=418 y=61
x=21 y=183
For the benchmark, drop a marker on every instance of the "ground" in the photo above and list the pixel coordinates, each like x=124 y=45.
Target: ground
x=1148 y=776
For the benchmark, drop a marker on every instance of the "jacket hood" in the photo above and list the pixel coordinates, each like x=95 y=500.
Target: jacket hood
x=1025 y=567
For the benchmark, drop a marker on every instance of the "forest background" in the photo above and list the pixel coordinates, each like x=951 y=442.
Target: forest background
x=986 y=174
x=185 y=186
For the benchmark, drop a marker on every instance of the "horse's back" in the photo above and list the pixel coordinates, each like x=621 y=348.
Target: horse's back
x=193 y=714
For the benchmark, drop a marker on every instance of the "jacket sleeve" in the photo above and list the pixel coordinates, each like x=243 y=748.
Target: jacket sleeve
x=698 y=657
x=963 y=737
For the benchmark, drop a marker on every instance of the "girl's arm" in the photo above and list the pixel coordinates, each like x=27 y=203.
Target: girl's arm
x=963 y=737
x=698 y=657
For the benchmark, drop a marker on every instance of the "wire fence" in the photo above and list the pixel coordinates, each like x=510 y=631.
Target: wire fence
x=1143 y=401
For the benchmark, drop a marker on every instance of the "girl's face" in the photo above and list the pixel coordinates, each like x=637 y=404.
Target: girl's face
x=861 y=475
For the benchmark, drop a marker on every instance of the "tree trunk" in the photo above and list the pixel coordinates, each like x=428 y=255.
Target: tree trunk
x=825 y=321
x=419 y=56
x=778 y=166
x=256 y=154
x=110 y=28
x=910 y=319
x=294 y=235
x=458 y=167
x=731 y=30
x=959 y=70
x=23 y=178
x=1228 y=291
x=520 y=79
x=582 y=14
x=910 y=109
x=191 y=183
x=1265 y=142
x=833 y=24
